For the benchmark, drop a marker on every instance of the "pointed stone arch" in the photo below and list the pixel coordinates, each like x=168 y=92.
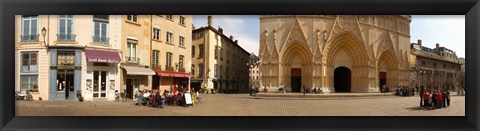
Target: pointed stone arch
x=296 y=56
x=392 y=64
x=357 y=52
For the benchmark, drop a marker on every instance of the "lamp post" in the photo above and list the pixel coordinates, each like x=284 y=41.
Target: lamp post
x=44 y=32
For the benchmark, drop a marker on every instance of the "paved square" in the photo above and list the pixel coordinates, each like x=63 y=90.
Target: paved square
x=245 y=105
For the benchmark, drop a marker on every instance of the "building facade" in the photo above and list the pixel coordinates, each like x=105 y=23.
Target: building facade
x=218 y=62
x=435 y=68
x=155 y=50
x=58 y=56
x=335 y=53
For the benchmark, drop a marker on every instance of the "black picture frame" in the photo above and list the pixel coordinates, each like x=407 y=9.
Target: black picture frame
x=9 y=8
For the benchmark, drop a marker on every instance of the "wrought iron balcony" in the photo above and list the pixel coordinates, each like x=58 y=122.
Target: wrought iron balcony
x=29 y=37
x=66 y=37
x=181 y=69
x=100 y=39
x=169 y=68
x=129 y=59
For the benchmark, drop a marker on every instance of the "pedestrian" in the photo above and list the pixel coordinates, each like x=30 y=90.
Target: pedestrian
x=140 y=99
x=304 y=89
x=439 y=99
x=444 y=98
x=426 y=96
x=434 y=98
x=448 y=98
x=421 y=96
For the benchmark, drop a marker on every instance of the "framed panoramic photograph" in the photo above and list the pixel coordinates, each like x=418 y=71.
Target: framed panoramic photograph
x=239 y=65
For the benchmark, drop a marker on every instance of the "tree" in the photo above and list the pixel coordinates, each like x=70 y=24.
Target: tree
x=253 y=62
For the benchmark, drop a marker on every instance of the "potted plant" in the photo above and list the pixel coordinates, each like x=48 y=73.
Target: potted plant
x=79 y=95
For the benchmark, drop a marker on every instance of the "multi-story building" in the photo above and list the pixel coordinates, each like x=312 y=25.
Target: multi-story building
x=154 y=51
x=218 y=62
x=435 y=68
x=58 y=56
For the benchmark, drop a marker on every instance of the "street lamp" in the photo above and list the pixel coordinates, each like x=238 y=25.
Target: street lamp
x=44 y=32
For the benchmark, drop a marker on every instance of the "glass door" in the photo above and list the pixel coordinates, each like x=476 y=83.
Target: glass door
x=99 y=84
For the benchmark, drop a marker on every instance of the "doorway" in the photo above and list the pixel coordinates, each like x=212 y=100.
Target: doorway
x=383 y=79
x=99 y=84
x=132 y=85
x=342 y=79
x=296 y=79
x=65 y=82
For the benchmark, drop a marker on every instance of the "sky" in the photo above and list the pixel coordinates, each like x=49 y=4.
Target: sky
x=447 y=30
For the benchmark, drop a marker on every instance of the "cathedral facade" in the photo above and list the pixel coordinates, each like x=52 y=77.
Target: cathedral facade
x=334 y=53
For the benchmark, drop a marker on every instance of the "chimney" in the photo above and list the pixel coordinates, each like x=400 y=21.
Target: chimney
x=220 y=30
x=437 y=45
x=419 y=42
x=209 y=20
x=236 y=42
x=193 y=27
x=231 y=37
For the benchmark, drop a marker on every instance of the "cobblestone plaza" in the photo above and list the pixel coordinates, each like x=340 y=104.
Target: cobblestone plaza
x=245 y=105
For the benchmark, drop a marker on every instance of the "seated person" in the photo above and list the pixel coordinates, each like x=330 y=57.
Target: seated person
x=158 y=100
x=141 y=100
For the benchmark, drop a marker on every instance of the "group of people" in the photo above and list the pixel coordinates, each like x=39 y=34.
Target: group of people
x=404 y=91
x=146 y=98
x=434 y=98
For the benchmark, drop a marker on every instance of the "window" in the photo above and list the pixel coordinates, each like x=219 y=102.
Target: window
x=29 y=82
x=132 y=18
x=131 y=50
x=29 y=62
x=30 y=28
x=201 y=49
x=221 y=71
x=423 y=62
x=66 y=58
x=170 y=17
x=169 y=37
x=192 y=70
x=100 y=29
x=169 y=60
x=156 y=57
x=200 y=35
x=193 y=51
x=65 y=29
x=182 y=39
x=200 y=70
x=182 y=20
x=221 y=54
x=215 y=70
x=180 y=61
x=156 y=33
x=444 y=65
x=434 y=64
x=216 y=54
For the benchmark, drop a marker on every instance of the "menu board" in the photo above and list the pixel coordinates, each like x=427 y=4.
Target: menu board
x=188 y=98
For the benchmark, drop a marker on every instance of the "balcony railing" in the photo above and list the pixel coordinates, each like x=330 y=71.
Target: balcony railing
x=181 y=69
x=100 y=39
x=66 y=37
x=158 y=67
x=169 y=68
x=129 y=59
x=29 y=37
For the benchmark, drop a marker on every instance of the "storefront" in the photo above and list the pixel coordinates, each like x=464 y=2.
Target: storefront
x=135 y=77
x=65 y=73
x=172 y=81
x=102 y=74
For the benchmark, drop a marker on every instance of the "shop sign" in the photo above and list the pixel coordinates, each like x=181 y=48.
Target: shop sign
x=103 y=60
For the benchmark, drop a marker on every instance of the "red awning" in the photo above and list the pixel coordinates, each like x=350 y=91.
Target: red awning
x=172 y=74
x=102 y=56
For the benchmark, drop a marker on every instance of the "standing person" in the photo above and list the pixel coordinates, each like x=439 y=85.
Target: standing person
x=444 y=98
x=421 y=96
x=304 y=89
x=425 y=96
x=448 y=98
x=159 y=102
x=434 y=98
x=439 y=99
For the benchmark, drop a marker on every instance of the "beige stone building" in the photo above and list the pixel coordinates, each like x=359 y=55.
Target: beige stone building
x=57 y=56
x=218 y=62
x=435 y=68
x=155 y=52
x=336 y=53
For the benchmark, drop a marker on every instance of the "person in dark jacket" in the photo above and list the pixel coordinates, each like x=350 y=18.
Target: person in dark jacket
x=444 y=98
x=421 y=95
x=434 y=98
